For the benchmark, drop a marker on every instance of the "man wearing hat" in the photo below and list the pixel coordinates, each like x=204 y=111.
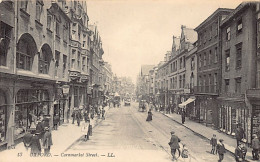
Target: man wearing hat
x=221 y=150
x=256 y=147
x=35 y=143
x=47 y=141
x=174 y=144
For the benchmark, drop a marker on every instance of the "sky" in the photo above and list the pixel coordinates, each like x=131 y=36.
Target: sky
x=136 y=33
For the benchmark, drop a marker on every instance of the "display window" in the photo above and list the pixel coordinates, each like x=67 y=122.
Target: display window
x=3 y=109
x=31 y=105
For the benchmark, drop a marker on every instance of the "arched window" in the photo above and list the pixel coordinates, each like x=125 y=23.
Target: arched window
x=45 y=59
x=25 y=52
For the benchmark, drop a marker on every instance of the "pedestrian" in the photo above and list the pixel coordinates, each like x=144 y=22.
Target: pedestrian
x=35 y=144
x=56 y=120
x=78 y=118
x=86 y=116
x=73 y=115
x=174 y=144
x=221 y=150
x=258 y=132
x=103 y=113
x=244 y=151
x=240 y=133
x=182 y=116
x=45 y=122
x=149 y=117
x=27 y=139
x=213 y=142
x=239 y=153
x=40 y=128
x=47 y=141
x=255 y=146
x=85 y=129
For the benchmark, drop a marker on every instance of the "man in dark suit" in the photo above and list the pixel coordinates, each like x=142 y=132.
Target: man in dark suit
x=174 y=144
x=56 y=120
x=47 y=141
x=221 y=150
x=35 y=143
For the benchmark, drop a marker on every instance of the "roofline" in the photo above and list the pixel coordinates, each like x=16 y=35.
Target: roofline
x=211 y=16
x=238 y=9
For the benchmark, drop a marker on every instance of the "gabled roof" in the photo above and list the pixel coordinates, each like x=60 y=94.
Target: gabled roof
x=145 y=69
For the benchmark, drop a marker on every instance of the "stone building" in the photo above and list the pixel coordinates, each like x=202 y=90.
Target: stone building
x=209 y=65
x=238 y=99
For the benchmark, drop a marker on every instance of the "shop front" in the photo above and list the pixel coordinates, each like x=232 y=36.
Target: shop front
x=232 y=113
x=30 y=105
x=3 y=117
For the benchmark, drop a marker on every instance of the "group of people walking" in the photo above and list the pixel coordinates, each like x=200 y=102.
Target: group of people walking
x=38 y=139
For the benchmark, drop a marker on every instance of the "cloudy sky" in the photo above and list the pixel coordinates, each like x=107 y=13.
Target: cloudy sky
x=140 y=32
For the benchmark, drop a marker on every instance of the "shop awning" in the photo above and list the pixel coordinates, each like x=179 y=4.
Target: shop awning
x=182 y=105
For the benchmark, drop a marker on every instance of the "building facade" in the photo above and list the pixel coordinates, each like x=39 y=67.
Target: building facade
x=209 y=67
x=239 y=60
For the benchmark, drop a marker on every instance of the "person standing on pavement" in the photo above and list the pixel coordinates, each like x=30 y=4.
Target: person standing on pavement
x=103 y=113
x=255 y=146
x=40 y=128
x=78 y=118
x=174 y=144
x=213 y=142
x=240 y=134
x=182 y=116
x=56 y=121
x=27 y=139
x=73 y=115
x=221 y=150
x=35 y=143
x=47 y=141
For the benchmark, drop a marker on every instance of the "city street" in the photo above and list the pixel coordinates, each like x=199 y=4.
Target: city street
x=126 y=135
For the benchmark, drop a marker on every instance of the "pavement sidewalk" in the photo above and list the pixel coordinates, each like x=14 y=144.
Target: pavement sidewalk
x=62 y=138
x=207 y=132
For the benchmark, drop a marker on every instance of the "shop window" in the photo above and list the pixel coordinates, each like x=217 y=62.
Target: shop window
x=5 y=37
x=239 y=56
x=3 y=117
x=30 y=105
x=227 y=60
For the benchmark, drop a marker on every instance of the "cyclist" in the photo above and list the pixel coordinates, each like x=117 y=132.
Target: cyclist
x=174 y=144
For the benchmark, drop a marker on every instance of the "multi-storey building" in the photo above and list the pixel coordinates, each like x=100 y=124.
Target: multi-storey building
x=190 y=82
x=144 y=81
x=177 y=66
x=239 y=60
x=31 y=78
x=209 y=65
x=44 y=63
x=96 y=52
x=108 y=76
